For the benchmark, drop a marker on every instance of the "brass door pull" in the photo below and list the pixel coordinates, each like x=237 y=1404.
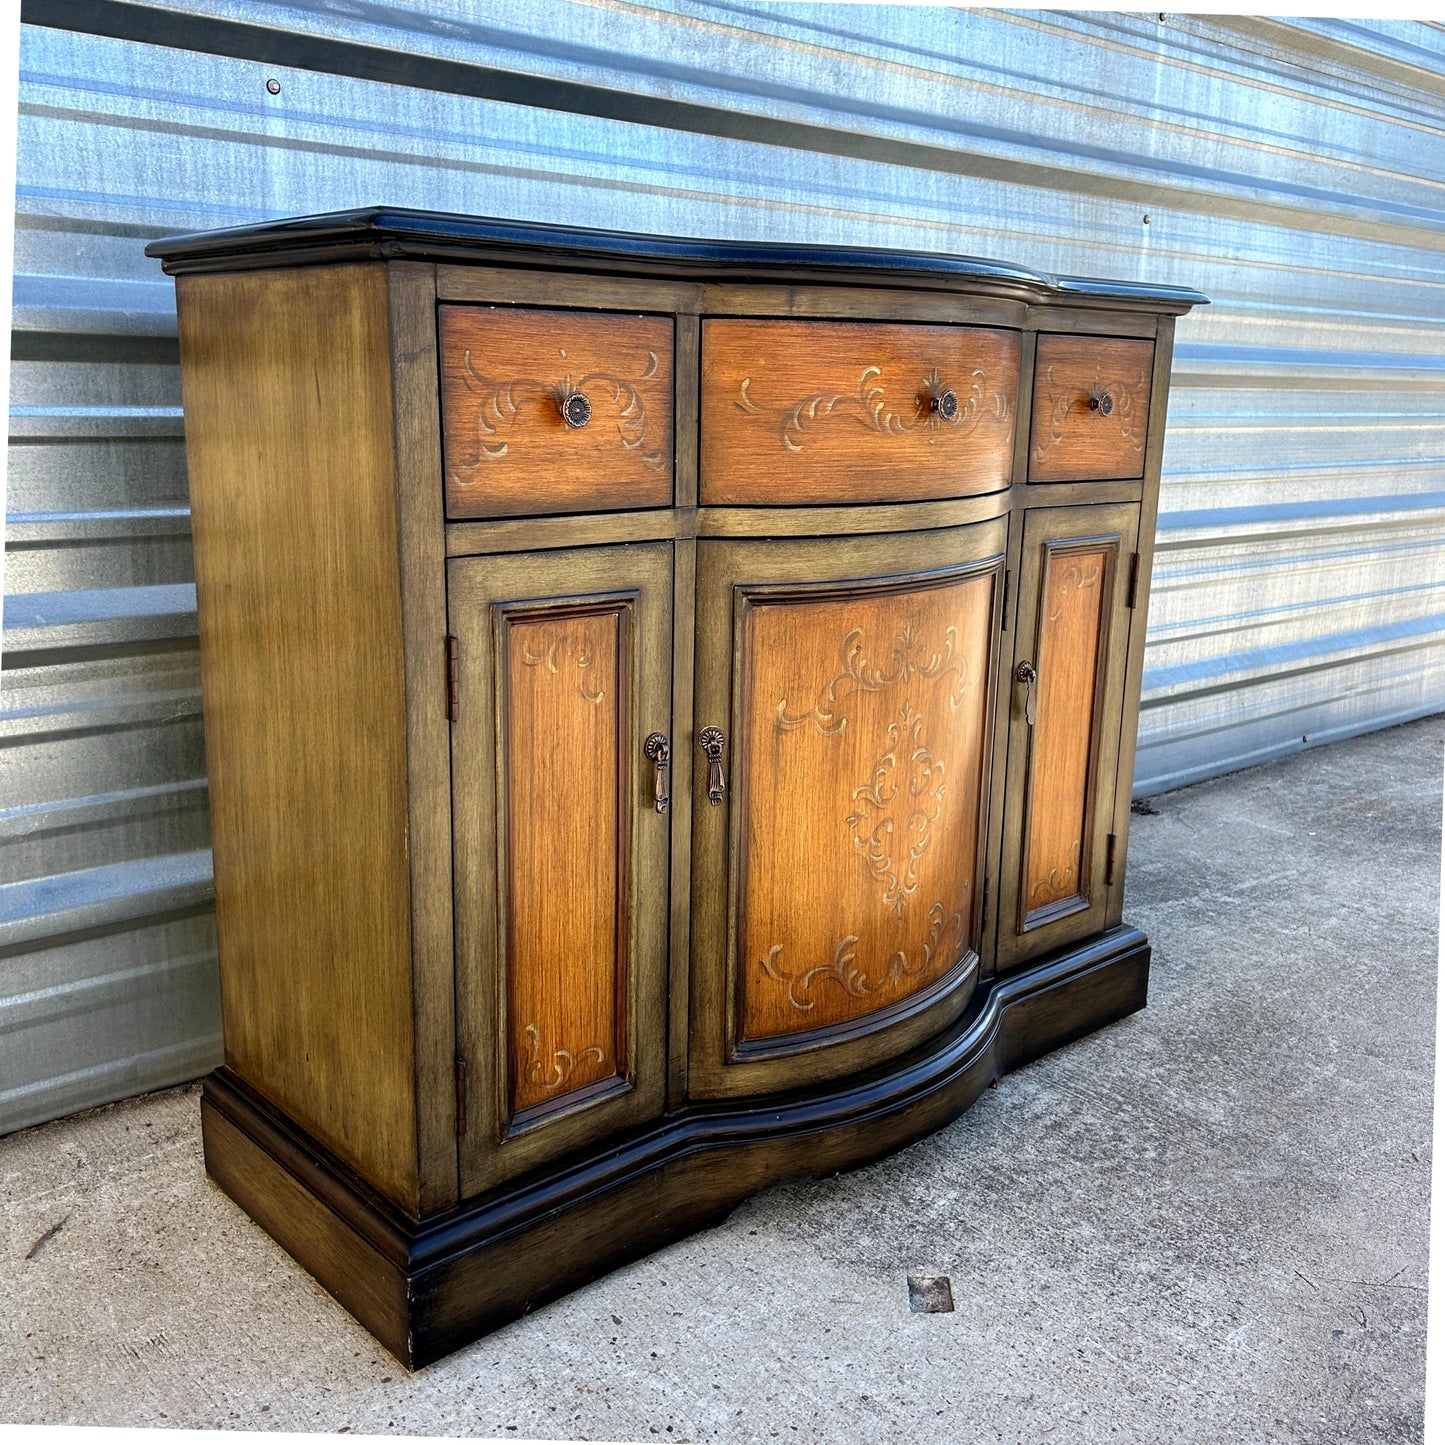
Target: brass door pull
x=1028 y=674
x=1101 y=402
x=659 y=754
x=712 y=741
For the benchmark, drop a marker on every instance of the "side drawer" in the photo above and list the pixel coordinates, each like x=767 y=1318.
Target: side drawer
x=798 y=412
x=554 y=411
x=1091 y=409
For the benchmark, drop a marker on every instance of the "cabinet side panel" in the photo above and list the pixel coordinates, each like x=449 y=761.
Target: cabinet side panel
x=288 y=420
x=1139 y=616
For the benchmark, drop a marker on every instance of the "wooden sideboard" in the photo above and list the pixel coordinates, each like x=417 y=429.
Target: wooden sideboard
x=670 y=710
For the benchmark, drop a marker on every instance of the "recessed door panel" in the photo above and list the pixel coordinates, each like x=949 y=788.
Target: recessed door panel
x=1073 y=635
x=1065 y=694
x=860 y=768
x=564 y=867
x=561 y=854
x=838 y=878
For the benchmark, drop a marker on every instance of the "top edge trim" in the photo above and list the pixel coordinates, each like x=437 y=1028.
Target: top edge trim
x=385 y=232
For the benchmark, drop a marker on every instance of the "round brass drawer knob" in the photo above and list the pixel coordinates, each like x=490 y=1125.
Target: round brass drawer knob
x=576 y=409
x=944 y=404
x=1102 y=402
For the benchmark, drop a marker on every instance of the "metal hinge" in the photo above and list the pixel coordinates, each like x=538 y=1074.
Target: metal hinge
x=1133 y=581
x=461 y=1076
x=454 y=692
x=1109 y=859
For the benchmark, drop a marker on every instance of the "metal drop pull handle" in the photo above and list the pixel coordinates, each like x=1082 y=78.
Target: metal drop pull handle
x=659 y=753
x=712 y=741
x=575 y=408
x=1102 y=402
x=1028 y=674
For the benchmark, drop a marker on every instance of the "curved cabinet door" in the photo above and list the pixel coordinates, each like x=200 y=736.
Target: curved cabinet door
x=563 y=672
x=839 y=838
x=1064 y=726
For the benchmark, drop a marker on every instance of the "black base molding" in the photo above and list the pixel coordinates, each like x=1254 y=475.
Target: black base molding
x=426 y=1289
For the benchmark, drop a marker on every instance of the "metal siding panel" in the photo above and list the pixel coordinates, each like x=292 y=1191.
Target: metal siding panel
x=1292 y=169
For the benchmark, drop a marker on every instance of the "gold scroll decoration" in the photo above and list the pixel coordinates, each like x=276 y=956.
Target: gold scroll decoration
x=862 y=757
x=841 y=412
x=1091 y=408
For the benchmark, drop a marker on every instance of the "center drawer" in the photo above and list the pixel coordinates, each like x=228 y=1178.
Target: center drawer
x=798 y=412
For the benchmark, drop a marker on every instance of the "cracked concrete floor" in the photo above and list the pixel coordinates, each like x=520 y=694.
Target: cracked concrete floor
x=1207 y=1223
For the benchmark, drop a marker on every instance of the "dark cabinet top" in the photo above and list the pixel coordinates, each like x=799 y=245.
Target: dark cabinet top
x=383 y=233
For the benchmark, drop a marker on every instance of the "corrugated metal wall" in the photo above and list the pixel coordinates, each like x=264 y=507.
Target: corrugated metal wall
x=1292 y=170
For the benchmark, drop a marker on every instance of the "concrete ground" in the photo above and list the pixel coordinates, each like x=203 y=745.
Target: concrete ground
x=1207 y=1223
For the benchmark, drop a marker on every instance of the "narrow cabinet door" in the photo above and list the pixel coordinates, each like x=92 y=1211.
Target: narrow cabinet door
x=1066 y=702
x=843 y=730
x=561 y=753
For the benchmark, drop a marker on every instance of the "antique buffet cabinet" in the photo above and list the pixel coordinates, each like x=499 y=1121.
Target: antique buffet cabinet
x=670 y=710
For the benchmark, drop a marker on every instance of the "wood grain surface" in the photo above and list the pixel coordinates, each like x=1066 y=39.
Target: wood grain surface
x=362 y=1278
x=566 y=714
x=1071 y=641
x=833 y=411
x=1139 y=615
x=508 y=452
x=1073 y=440
x=411 y=296
x=860 y=768
x=764 y=524
x=733 y=578
x=287 y=392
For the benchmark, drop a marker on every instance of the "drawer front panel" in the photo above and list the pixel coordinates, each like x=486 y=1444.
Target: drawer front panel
x=1091 y=409
x=844 y=412
x=507 y=375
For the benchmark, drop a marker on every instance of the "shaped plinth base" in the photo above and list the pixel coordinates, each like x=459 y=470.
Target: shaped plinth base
x=426 y=1289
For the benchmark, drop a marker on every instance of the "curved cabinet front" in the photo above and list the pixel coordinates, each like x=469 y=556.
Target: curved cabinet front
x=839 y=838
